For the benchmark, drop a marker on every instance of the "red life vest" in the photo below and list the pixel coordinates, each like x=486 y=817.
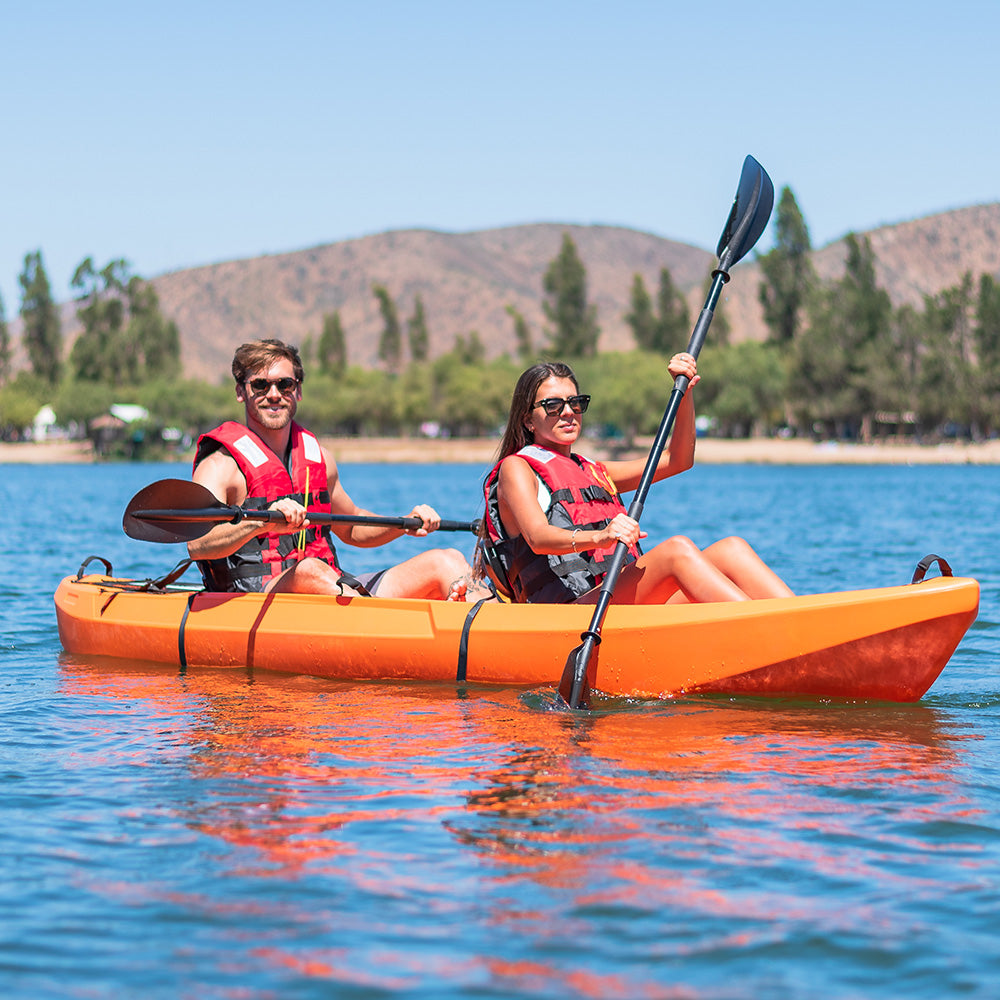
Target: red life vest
x=265 y=556
x=581 y=494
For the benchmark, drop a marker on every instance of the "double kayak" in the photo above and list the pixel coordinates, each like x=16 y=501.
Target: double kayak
x=886 y=644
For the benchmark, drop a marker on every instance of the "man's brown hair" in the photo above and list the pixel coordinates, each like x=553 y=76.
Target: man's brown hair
x=260 y=354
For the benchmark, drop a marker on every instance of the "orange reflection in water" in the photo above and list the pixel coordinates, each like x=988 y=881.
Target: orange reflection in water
x=619 y=808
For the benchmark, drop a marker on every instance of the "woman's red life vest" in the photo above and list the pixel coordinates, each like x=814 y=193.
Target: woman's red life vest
x=268 y=479
x=581 y=495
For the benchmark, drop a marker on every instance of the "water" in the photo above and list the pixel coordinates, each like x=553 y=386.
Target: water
x=215 y=834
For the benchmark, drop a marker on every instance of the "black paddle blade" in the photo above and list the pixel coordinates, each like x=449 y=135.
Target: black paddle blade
x=574 y=685
x=748 y=217
x=178 y=495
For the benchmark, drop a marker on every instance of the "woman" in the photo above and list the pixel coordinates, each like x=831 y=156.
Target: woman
x=553 y=518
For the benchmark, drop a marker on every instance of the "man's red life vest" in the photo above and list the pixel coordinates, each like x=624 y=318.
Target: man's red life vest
x=581 y=494
x=265 y=556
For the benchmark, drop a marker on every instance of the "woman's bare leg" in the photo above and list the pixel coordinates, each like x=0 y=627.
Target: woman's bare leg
x=735 y=558
x=675 y=570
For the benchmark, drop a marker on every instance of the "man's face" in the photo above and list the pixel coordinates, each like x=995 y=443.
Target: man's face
x=270 y=408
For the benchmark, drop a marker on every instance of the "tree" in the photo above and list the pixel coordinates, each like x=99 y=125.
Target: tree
x=20 y=400
x=416 y=328
x=630 y=391
x=575 y=330
x=522 y=334
x=157 y=339
x=673 y=323
x=847 y=339
x=640 y=316
x=5 y=351
x=41 y=331
x=469 y=351
x=748 y=387
x=101 y=353
x=455 y=381
x=987 y=339
x=987 y=322
x=946 y=390
x=126 y=340
x=332 y=345
x=788 y=272
x=390 y=344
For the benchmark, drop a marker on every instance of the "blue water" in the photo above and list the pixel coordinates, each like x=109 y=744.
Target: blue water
x=231 y=835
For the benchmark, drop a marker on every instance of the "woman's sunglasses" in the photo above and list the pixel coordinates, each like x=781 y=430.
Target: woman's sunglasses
x=554 y=405
x=262 y=386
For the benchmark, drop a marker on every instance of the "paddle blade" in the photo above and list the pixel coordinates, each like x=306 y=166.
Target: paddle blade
x=581 y=666
x=179 y=495
x=748 y=216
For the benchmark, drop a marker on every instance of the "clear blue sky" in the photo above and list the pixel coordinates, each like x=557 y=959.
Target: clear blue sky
x=185 y=133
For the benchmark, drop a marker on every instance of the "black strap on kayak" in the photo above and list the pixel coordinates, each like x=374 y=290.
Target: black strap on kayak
x=181 y=654
x=353 y=581
x=925 y=564
x=160 y=584
x=86 y=562
x=463 y=645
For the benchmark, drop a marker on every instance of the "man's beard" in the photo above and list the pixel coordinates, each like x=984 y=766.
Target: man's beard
x=273 y=421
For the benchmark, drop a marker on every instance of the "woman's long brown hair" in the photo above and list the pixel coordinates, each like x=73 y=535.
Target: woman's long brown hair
x=516 y=434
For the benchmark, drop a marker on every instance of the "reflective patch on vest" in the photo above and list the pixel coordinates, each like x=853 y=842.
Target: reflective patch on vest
x=311 y=448
x=250 y=450
x=543 y=455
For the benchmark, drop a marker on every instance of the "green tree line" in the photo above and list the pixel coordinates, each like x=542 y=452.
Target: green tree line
x=839 y=360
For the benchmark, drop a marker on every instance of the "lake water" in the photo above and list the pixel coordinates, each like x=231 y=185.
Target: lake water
x=221 y=834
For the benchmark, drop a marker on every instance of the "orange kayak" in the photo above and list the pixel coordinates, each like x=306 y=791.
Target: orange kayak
x=887 y=644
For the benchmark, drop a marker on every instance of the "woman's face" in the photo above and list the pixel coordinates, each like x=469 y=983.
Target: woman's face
x=557 y=432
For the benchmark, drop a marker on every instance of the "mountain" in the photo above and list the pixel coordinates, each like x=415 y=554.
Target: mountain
x=467 y=280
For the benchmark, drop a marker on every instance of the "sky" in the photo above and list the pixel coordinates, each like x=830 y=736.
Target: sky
x=187 y=133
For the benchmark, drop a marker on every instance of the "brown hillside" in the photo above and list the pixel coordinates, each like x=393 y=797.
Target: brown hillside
x=926 y=255
x=466 y=281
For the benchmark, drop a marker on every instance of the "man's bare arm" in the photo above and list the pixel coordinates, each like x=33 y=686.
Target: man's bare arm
x=220 y=474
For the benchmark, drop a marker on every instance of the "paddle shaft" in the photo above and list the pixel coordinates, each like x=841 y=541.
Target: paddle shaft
x=592 y=636
x=233 y=515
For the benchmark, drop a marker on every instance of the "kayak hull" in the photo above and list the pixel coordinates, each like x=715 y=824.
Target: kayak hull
x=888 y=643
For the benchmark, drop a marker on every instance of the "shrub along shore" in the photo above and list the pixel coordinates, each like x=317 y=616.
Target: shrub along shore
x=479 y=451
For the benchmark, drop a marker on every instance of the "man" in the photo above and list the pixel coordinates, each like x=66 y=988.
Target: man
x=271 y=462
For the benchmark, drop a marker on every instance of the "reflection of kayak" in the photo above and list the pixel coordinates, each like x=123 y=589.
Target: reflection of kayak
x=889 y=643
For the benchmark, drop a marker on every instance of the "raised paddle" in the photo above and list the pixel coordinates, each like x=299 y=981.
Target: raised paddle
x=177 y=510
x=747 y=219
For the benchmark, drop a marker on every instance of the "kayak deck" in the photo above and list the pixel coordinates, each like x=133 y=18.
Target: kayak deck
x=887 y=644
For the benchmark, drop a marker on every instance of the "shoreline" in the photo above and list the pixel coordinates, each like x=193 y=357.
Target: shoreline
x=480 y=451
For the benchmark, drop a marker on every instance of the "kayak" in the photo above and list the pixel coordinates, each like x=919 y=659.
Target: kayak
x=886 y=644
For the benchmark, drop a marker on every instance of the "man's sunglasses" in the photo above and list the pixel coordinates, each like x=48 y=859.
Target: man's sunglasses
x=554 y=406
x=262 y=386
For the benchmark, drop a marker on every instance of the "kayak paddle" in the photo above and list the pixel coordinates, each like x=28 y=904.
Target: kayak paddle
x=177 y=510
x=747 y=219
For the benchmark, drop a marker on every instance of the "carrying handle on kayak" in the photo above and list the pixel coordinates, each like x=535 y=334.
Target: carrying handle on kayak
x=925 y=564
x=86 y=562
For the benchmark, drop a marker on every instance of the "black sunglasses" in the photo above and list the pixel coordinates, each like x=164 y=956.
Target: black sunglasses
x=262 y=386
x=554 y=406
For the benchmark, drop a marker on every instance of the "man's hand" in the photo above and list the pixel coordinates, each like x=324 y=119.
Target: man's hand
x=296 y=517
x=430 y=517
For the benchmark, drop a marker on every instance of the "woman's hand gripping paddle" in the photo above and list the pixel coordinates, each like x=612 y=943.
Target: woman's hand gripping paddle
x=747 y=219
